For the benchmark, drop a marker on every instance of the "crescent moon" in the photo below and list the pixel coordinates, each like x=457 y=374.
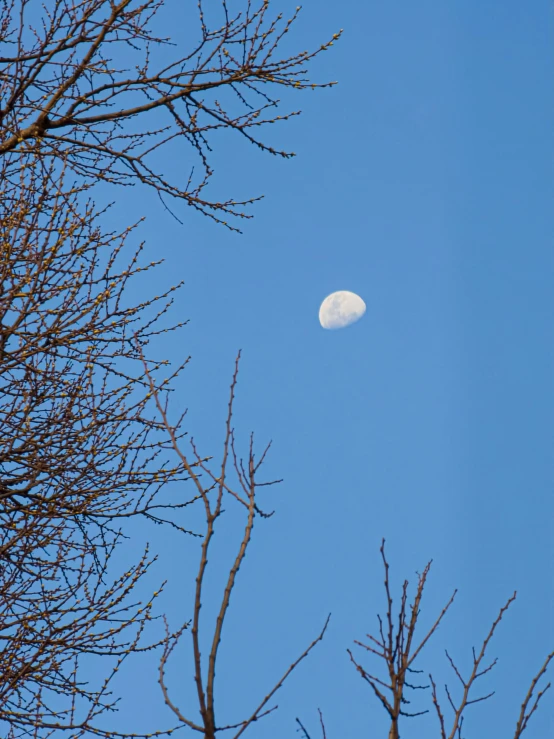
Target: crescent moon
x=341 y=309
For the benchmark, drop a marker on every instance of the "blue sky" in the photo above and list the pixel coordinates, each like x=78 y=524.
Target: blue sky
x=423 y=182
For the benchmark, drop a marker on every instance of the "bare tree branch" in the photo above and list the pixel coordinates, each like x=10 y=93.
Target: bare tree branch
x=218 y=485
x=394 y=647
x=66 y=99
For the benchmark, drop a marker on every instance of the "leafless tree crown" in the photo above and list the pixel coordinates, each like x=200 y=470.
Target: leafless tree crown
x=397 y=647
x=81 y=79
x=90 y=94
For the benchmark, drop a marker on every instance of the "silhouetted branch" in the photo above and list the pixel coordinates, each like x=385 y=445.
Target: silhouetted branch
x=66 y=99
x=394 y=647
x=304 y=730
x=218 y=484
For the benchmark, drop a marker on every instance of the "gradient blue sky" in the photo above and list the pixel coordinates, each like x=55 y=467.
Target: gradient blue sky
x=423 y=182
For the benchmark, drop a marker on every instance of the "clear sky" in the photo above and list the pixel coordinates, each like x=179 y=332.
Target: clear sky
x=423 y=182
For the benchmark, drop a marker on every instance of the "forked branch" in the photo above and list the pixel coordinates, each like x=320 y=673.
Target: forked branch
x=394 y=647
x=67 y=96
x=211 y=488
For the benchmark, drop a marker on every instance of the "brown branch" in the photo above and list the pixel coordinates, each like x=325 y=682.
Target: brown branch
x=60 y=82
x=396 y=649
x=475 y=674
x=525 y=714
x=321 y=723
x=213 y=510
x=75 y=456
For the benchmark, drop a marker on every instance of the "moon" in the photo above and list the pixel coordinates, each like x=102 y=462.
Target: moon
x=341 y=309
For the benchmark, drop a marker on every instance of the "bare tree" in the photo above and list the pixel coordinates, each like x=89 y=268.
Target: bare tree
x=396 y=646
x=91 y=94
x=78 y=455
x=83 y=78
x=72 y=407
x=218 y=485
x=57 y=610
